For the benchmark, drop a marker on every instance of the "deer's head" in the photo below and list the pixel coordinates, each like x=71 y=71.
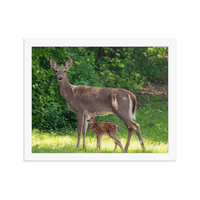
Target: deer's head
x=91 y=117
x=61 y=71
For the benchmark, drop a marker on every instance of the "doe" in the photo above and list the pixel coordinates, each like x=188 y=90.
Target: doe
x=116 y=101
x=99 y=128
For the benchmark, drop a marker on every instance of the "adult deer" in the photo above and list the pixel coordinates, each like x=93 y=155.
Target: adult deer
x=83 y=99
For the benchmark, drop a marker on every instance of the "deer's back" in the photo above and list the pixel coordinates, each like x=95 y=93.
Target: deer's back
x=104 y=127
x=97 y=99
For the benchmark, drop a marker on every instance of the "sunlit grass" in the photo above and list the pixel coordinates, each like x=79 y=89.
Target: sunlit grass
x=153 y=122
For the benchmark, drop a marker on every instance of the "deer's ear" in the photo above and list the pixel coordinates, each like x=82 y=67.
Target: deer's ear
x=69 y=63
x=86 y=112
x=53 y=64
x=96 y=113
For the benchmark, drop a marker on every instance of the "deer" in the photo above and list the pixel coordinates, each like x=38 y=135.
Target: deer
x=80 y=99
x=100 y=128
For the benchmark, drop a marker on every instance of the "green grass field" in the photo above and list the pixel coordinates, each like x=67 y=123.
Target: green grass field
x=153 y=120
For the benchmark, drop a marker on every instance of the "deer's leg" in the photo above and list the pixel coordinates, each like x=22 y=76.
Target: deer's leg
x=115 y=147
x=117 y=142
x=120 y=144
x=130 y=131
x=140 y=138
x=128 y=122
x=136 y=127
x=98 y=143
x=124 y=114
x=85 y=126
x=79 y=117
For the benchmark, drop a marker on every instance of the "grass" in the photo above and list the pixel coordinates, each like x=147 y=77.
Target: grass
x=153 y=120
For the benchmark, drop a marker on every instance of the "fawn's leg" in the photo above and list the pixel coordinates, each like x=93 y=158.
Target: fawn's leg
x=115 y=147
x=98 y=142
x=113 y=136
x=120 y=145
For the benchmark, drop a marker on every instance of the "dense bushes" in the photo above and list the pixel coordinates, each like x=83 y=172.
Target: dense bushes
x=132 y=67
x=125 y=67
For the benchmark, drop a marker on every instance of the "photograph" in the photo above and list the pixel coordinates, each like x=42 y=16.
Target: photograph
x=100 y=99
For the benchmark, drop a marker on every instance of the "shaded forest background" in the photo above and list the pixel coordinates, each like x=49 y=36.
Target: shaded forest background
x=141 y=70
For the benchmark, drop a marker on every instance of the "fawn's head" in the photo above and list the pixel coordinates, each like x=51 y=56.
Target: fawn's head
x=91 y=117
x=61 y=71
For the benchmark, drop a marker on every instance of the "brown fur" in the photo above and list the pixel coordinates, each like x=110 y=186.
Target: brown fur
x=108 y=128
x=96 y=99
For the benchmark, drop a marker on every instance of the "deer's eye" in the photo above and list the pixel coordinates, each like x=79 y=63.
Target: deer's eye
x=91 y=117
x=64 y=71
x=56 y=71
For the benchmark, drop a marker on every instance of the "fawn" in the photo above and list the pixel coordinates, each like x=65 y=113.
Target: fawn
x=99 y=128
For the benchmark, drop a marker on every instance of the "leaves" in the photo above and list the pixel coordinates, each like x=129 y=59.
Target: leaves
x=116 y=67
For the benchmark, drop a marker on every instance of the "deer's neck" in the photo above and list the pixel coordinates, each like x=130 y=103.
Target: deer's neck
x=65 y=88
x=91 y=124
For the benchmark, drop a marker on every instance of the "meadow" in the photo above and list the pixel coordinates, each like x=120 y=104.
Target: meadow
x=153 y=120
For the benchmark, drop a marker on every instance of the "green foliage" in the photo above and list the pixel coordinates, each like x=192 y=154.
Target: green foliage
x=124 y=67
x=132 y=67
x=49 y=108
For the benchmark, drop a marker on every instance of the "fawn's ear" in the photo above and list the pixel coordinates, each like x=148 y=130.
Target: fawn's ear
x=69 y=63
x=96 y=113
x=53 y=64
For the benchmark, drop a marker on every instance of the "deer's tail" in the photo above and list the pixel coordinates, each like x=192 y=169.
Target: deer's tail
x=132 y=106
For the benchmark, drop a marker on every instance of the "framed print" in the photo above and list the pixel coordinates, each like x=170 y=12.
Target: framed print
x=44 y=107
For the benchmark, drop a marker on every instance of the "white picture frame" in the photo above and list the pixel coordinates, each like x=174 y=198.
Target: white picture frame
x=156 y=41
